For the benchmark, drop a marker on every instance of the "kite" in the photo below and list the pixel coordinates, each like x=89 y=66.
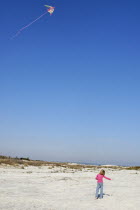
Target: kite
x=50 y=10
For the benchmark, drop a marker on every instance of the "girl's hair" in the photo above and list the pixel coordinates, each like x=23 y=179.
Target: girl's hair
x=102 y=172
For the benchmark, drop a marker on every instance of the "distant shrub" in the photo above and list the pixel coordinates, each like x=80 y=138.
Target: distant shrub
x=133 y=168
x=4 y=157
x=28 y=159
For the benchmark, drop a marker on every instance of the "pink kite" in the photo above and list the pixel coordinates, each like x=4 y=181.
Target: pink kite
x=50 y=10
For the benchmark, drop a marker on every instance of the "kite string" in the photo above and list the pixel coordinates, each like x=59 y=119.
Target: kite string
x=30 y=24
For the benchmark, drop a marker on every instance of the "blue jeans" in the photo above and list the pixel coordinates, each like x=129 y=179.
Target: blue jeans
x=99 y=187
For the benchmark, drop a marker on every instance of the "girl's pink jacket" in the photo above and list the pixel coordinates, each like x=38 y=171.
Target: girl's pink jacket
x=100 y=177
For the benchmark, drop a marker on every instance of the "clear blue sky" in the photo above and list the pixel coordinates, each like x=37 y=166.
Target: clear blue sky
x=70 y=83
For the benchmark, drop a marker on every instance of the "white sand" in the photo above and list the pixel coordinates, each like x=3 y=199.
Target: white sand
x=51 y=189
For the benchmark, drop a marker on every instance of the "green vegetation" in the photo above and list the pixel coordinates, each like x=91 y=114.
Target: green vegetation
x=27 y=162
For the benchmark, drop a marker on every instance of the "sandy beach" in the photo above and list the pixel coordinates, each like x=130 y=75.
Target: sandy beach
x=57 y=188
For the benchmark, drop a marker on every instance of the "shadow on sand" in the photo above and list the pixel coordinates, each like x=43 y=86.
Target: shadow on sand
x=104 y=194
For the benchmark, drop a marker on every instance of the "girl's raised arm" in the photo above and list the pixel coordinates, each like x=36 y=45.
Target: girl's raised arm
x=107 y=178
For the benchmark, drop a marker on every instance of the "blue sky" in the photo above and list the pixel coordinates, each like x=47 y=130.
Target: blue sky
x=70 y=83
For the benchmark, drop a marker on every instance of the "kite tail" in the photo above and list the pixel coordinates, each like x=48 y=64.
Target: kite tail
x=29 y=25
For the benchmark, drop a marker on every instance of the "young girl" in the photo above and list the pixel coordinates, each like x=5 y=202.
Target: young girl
x=99 y=179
